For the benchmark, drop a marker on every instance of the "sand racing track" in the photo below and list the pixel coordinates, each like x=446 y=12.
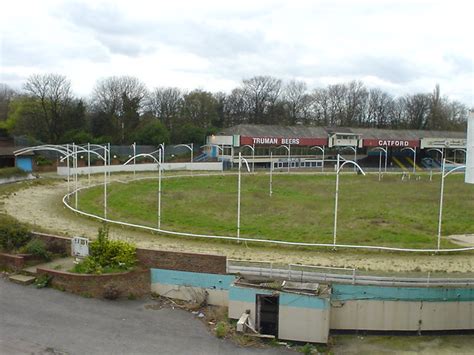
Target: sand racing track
x=41 y=207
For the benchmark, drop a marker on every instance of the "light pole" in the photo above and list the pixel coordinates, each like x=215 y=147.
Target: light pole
x=354 y=149
x=160 y=167
x=339 y=167
x=239 y=183
x=189 y=146
x=380 y=160
x=440 y=151
x=322 y=150
x=252 y=147
x=288 y=148
x=443 y=176
x=162 y=146
x=271 y=173
x=134 y=148
x=461 y=150
x=414 y=157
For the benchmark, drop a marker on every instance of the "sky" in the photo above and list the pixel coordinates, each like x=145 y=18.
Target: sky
x=402 y=47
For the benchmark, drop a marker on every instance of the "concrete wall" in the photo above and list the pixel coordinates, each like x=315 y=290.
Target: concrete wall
x=401 y=308
x=192 y=286
x=303 y=318
x=300 y=317
x=212 y=166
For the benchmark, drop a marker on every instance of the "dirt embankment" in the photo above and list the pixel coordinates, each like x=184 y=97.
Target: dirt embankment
x=41 y=206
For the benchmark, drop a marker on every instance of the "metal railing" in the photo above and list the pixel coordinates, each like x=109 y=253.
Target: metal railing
x=329 y=274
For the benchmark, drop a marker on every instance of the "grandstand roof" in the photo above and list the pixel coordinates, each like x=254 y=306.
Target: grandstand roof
x=322 y=132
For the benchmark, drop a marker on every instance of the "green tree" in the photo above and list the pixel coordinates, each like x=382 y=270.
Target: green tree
x=200 y=109
x=151 y=132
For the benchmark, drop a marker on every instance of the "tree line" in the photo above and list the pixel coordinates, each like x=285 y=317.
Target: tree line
x=122 y=110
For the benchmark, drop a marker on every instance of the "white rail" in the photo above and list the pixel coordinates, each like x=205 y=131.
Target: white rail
x=244 y=239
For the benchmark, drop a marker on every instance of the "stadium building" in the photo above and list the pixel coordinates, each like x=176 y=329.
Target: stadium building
x=314 y=147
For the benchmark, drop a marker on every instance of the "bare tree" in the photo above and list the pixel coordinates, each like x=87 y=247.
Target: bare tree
x=380 y=109
x=298 y=102
x=355 y=103
x=166 y=103
x=118 y=102
x=417 y=109
x=53 y=92
x=108 y=93
x=261 y=92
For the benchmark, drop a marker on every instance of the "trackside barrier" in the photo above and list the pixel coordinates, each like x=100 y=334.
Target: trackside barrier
x=329 y=274
x=67 y=197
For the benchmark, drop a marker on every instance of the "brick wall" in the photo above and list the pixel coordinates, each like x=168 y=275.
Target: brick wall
x=12 y=262
x=136 y=283
x=206 y=263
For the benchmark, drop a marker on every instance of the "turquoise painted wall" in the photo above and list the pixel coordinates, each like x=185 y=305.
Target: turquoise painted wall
x=428 y=294
x=246 y=294
x=303 y=301
x=194 y=279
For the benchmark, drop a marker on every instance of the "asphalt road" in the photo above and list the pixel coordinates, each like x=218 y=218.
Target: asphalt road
x=46 y=321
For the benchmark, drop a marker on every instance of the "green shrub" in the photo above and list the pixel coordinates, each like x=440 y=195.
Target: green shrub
x=37 y=247
x=13 y=234
x=107 y=255
x=8 y=172
x=222 y=328
x=43 y=281
x=42 y=161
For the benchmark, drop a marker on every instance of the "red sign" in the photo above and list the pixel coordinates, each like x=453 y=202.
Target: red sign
x=283 y=141
x=398 y=143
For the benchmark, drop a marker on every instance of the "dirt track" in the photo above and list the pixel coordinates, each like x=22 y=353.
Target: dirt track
x=41 y=206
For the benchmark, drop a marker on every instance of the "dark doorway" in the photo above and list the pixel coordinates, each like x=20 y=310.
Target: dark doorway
x=267 y=314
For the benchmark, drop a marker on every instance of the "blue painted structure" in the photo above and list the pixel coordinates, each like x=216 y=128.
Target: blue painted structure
x=24 y=163
x=246 y=294
x=385 y=293
x=193 y=279
x=303 y=301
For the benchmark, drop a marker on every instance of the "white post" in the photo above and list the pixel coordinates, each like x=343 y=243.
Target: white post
x=253 y=158
x=355 y=158
x=322 y=167
x=68 y=172
x=335 y=203
x=414 y=160
x=163 y=152
x=271 y=173
x=192 y=148
x=134 y=145
x=74 y=159
x=105 y=181
x=238 y=197
x=380 y=165
x=386 y=158
x=109 y=159
x=89 y=163
x=289 y=147
x=441 y=203
x=159 y=191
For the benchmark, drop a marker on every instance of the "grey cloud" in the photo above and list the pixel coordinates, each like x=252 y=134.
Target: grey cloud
x=124 y=36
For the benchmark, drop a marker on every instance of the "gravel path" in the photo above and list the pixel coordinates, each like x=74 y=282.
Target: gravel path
x=41 y=206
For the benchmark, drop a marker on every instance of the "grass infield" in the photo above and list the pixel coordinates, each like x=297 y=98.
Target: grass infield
x=387 y=213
